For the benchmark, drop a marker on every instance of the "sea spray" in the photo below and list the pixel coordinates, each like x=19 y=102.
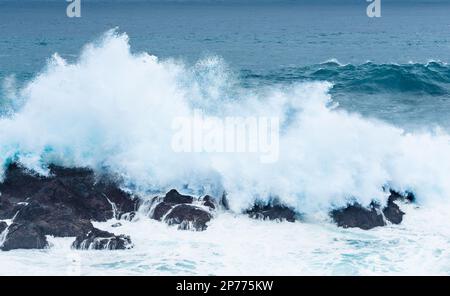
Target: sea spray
x=113 y=110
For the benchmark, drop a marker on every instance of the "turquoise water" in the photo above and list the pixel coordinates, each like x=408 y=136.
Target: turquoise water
x=265 y=43
x=364 y=103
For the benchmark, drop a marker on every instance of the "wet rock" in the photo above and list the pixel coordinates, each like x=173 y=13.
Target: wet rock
x=178 y=209
x=188 y=217
x=9 y=208
x=272 y=211
x=24 y=236
x=161 y=209
x=129 y=216
x=62 y=204
x=392 y=211
x=209 y=201
x=3 y=226
x=96 y=239
x=214 y=203
x=373 y=216
x=19 y=184
x=97 y=198
x=406 y=197
x=118 y=224
x=58 y=219
x=358 y=216
x=176 y=198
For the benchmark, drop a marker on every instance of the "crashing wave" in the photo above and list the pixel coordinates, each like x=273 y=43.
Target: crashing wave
x=113 y=110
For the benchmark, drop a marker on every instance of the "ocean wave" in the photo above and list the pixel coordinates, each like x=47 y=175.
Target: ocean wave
x=431 y=78
x=113 y=110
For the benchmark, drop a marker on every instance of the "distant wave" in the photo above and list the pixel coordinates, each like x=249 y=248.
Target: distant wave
x=432 y=78
x=113 y=110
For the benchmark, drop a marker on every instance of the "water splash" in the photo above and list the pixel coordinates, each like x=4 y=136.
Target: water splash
x=113 y=110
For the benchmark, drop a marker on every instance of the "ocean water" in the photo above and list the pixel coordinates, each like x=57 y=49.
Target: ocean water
x=364 y=103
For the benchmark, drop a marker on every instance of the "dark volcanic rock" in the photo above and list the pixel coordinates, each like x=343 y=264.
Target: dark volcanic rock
x=129 y=216
x=179 y=209
x=358 y=216
x=272 y=211
x=3 y=226
x=62 y=204
x=78 y=189
x=392 y=211
x=59 y=219
x=9 y=208
x=176 y=198
x=20 y=183
x=407 y=197
x=367 y=218
x=99 y=199
x=17 y=187
x=96 y=239
x=161 y=209
x=24 y=236
x=209 y=202
x=188 y=217
x=213 y=203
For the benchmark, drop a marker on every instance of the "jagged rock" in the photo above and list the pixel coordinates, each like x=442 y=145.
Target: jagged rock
x=19 y=183
x=209 y=202
x=358 y=216
x=96 y=239
x=272 y=211
x=62 y=204
x=96 y=198
x=9 y=208
x=407 y=197
x=87 y=196
x=214 y=203
x=24 y=236
x=373 y=216
x=392 y=211
x=58 y=219
x=176 y=198
x=129 y=216
x=188 y=217
x=3 y=226
x=179 y=209
x=161 y=209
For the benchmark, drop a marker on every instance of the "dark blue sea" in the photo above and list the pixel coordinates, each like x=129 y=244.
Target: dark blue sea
x=393 y=67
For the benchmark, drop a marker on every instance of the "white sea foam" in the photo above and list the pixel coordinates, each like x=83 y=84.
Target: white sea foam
x=237 y=245
x=113 y=110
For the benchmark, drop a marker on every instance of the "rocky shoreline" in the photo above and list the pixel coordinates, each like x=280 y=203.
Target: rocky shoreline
x=65 y=204
x=62 y=205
